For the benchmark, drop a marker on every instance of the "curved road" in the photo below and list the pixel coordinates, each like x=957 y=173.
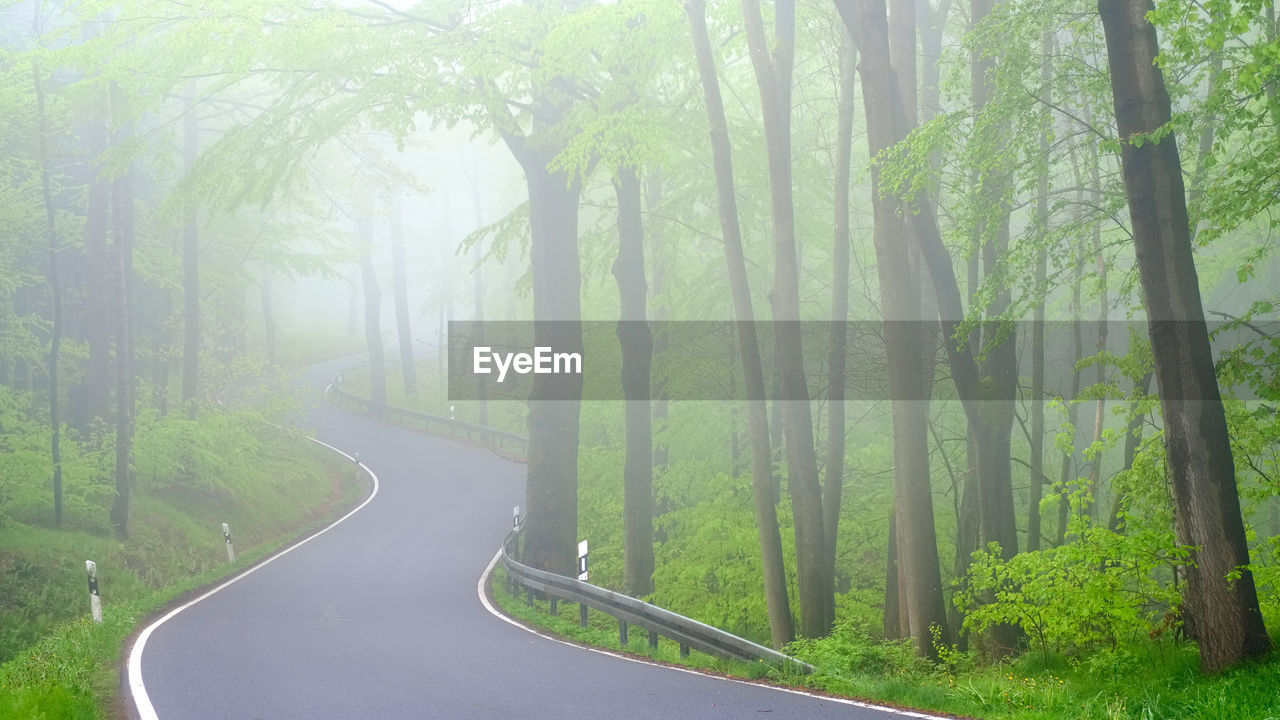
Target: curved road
x=379 y=618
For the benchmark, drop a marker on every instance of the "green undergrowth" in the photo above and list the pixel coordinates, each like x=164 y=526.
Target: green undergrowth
x=59 y=664
x=1141 y=683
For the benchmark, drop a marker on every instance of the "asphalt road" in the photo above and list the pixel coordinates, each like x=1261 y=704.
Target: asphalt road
x=379 y=617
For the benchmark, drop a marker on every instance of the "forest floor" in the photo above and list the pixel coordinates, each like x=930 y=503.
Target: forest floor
x=59 y=664
x=1147 y=682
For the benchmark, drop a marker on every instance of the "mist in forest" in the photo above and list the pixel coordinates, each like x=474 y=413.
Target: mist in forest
x=933 y=330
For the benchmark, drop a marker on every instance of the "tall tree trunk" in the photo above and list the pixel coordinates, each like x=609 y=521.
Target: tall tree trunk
x=100 y=286
x=999 y=368
x=1067 y=472
x=372 y=317
x=55 y=286
x=190 y=268
x=637 y=354
x=916 y=538
x=477 y=289
x=400 y=288
x=268 y=313
x=1220 y=594
x=661 y=340
x=896 y=625
x=550 y=540
x=766 y=511
x=1037 y=329
x=833 y=489
x=123 y=226
x=773 y=76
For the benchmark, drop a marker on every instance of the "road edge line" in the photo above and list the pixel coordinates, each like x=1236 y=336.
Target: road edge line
x=137 y=689
x=484 y=600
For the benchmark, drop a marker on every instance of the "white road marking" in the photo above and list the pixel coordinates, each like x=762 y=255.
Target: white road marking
x=484 y=600
x=136 y=687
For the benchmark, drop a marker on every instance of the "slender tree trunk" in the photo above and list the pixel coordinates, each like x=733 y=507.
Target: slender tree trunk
x=400 y=288
x=661 y=340
x=637 y=354
x=55 y=286
x=123 y=226
x=100 y=325
x=1220 y=595
x=190 y=268
x=1037 y=330
x=895 y=611
x=372 y=317
x=477 y=258
x=833 y=489
x=766 y=512
x=773 y=76
x=268 y=314
x=1067 y=473
x=916 y=537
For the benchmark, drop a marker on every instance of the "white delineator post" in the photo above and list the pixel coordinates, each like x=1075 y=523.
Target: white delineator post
x=582 y=575
x=95 y=601
x=231 y=551
x=515 y=517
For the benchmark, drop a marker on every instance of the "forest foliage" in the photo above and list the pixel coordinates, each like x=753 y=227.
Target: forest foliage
x=175 y=175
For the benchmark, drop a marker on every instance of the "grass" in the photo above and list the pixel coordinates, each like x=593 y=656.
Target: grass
x=176 y=547
x=1141 y=683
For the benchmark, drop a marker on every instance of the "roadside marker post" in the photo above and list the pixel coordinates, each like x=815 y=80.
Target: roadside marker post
x=231 y=551
x=582 y=575
x=95 y=601
x=515 y=517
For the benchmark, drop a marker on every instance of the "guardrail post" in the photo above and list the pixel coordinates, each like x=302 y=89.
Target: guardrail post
x=231 y=551
x=554 y=602
x=528 y=596
x=653 y=640
x=582 y=614
x=622 y=633
x=95 y=601
x=684 y=650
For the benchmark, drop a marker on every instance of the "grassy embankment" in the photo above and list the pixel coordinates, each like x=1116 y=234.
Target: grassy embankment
x=270 y=486
x=1142 y=683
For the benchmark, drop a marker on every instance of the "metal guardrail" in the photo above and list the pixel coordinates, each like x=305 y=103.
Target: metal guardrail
x=434 y=424
x=628 y=610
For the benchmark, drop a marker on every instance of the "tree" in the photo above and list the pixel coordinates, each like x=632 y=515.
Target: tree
x=55 y=283
x=766 y=511
x=190 y=270
x=372 y=316
x=122 y=227
x=1220 y=596
x=637 y=356
x=773 y=71
x=913 y=527
x=400 y=291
